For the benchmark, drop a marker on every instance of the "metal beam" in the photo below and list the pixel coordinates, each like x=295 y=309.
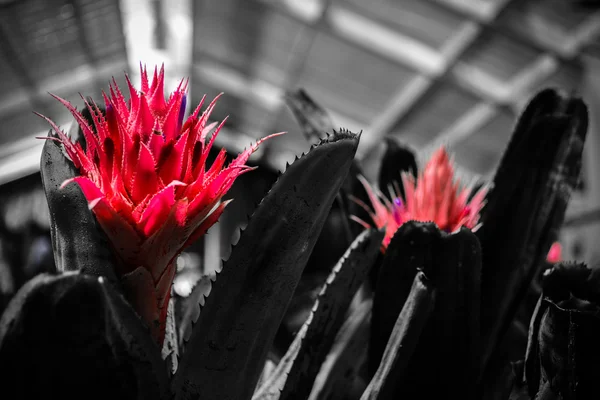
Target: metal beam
x=436 y=66
x=516 y=93
x=263 y=94
x=480 y=82
x=562 y=50
x=363 y=28
x=15 y=101
x=83 y=39
x=589 y=203
x=297 y=60
x=258 y=92
x=399 y=105
x=478 y=9
x=525 y=82
x=69 y=82
x=512 y=94
x=458 y=46
x=8 y=49
x=34 y=93
x=397 y=51
x=586 y=33
x=468 y=124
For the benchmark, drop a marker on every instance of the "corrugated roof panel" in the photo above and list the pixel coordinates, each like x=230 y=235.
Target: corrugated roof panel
x=439 y=109
x=254 y=39
x=414 y=18
x=350 y=80
x=500 y=56
x=495 y=135
x=45 y=36
x=104 y=30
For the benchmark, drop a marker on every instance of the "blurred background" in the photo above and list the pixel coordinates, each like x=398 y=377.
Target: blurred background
x=424 y=72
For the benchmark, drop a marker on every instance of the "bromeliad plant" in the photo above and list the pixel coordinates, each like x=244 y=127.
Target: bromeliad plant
x=437 y=314
x=120 y=212
x=433 y=196
x=445 y=301
x=144 y=176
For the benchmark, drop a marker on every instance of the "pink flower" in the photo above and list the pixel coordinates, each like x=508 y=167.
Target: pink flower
x=435 y=196
x=555 y=253
x=145 y=177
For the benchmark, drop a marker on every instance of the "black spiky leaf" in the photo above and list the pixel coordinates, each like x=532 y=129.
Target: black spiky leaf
x=295 y=375
x=77 y=240
x=562 y=358
x=312 y=118
x=73 y=336
x=526 y=207
x=250 y=295
x=396 y=159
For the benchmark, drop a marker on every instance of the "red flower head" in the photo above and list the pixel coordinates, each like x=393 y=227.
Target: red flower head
x=555 y=253
x=435 y=196
x=144 y=176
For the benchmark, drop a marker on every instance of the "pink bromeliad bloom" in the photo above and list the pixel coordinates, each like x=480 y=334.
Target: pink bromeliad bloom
x=555 y=253
x=435 y=196
x=145 y=178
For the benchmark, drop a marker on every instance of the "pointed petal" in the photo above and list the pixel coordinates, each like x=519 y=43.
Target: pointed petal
x=157 y=93
x=131 y=150
x=74 y=150
x=379 y=209
x=119 y=100
x=166 y=243
x=144 y=78
x=206 y=130
x=134 y=101
x=156 y=144
x=206 y=150
x=172 y=123
x=145 y=179
x=144 y=120
x=88 y=188
x=123 y=237
x=360 y=221
x=206 y=196
x=245 y=155
x=98 y=118
x=409 y=188
x=207 y=223
x=196 y=112
x=204 y=118
x=214 y=169
x=157 y=210
x=90 y=139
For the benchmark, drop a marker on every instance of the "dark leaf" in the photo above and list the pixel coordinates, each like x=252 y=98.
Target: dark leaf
x=71 y=337
x=448 y=348
x=77 y=240
x=564 y=351
x=188 y=309
x=526 y=206
x=238 y=322
x=410 y=249
x=403 y=341
x=505 y=384
x=313 y=119
x=346 y=356
x=170 y=348
x=396 y=159
x=296 y=372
